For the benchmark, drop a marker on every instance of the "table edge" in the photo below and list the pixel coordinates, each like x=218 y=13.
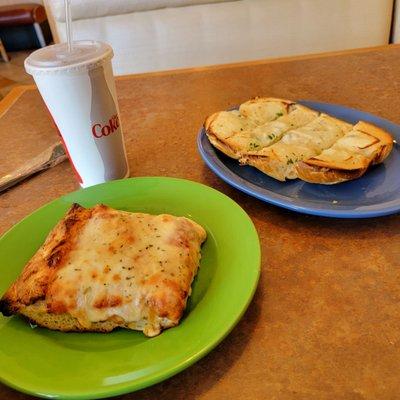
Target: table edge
x=19 y=90
x=264 y=61
x=11 y=97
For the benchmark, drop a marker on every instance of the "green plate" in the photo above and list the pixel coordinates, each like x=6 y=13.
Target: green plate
x=94 y=365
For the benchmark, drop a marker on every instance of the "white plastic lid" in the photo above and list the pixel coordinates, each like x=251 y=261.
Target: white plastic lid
x=85 y=55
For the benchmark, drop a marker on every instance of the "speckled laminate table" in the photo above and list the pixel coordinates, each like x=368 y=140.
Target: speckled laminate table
x=325 y=320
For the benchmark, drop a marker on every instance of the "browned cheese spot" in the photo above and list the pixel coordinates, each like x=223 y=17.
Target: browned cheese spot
x=107 y=301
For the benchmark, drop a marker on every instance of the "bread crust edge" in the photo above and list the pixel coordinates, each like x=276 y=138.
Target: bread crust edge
x=326 y=176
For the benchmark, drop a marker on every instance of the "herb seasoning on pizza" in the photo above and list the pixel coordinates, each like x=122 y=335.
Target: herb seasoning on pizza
x=101 y=268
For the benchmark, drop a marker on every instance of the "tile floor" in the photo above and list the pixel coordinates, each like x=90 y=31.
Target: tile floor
x=12 y=73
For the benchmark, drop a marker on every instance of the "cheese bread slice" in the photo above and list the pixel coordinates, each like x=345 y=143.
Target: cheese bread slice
x=279 y=159
x=258 y=123
x=223 y=126
x=264 y=109
x=349 y=157
x=101 y=268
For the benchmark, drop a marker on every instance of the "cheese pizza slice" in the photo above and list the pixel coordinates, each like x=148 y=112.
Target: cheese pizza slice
x=101 y=268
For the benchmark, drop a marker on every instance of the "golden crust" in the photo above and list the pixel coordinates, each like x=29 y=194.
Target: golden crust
x=371 y=129
x=382 y=154
x=209 y=120
x=33 y=282
x=37 y=315
x=102 y=268
x=381 y=137
x=215 y=141
x=331 y=171
x=268 y=164
x=327 y=176
x=361 y=163
x=223 y=146
x=267 y=99
x=385 y=139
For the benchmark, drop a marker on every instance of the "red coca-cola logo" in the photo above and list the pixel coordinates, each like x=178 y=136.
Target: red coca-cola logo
x=99 y=130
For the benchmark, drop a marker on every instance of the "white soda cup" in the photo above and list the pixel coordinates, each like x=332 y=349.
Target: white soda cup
x=79 y=91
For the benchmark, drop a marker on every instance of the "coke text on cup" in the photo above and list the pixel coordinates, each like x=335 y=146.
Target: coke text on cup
x=99 y=130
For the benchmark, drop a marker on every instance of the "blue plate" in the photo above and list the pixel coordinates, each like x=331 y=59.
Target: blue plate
x=375 y=194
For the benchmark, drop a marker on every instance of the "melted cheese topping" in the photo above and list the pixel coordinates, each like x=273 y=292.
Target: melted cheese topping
x=355 y=150
x=137 y=267
x=258 y=124
x=271 y=132
x=262 y=110
x=229 y=123
x=307 y=141
x=279 y=159
x=274 y=135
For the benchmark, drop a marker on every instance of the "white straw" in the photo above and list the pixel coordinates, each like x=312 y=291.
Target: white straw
x=68 y=23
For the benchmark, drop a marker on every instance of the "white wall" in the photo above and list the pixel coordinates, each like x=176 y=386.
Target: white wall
x=234 y=31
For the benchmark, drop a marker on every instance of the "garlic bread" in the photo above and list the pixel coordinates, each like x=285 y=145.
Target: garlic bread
x=349 y=157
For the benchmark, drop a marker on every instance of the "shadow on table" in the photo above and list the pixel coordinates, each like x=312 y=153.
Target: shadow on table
x=202 y=376
x=199 y=378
